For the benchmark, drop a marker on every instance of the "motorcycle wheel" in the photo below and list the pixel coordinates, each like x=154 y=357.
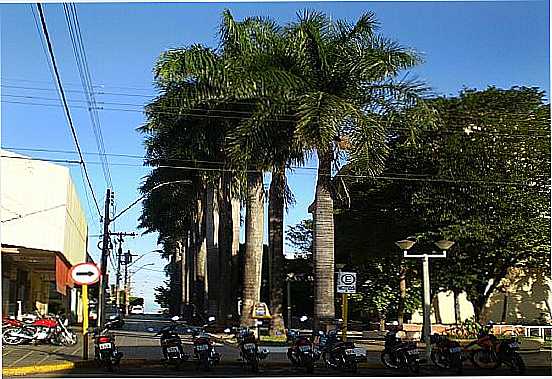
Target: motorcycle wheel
x=9 y=339
x=457 y=363
x=477 y=362
x=439 y=359
x=310 y=367
x=517 y=365
x=255 y=365
x=353 y=367
x=388 y=360
x=414 y=366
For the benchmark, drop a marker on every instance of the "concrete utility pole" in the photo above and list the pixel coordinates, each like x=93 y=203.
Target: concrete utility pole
x=120 y=239
x=105 y=255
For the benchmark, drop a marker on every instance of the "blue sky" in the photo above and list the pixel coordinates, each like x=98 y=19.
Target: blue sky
x=464 y=44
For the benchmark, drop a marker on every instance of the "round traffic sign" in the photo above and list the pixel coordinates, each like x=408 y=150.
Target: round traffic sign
x=85 y=273
x=348 y=278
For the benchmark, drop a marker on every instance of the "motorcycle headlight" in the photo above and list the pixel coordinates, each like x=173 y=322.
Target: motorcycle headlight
x=112 y=317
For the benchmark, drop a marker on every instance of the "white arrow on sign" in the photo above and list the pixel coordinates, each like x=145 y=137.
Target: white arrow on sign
x=85 y=273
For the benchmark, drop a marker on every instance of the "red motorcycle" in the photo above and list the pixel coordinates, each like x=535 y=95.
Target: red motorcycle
x=302 y=352
x=44 y=330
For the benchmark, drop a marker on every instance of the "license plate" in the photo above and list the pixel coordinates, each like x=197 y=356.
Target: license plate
x=355 y=351
x=412 y=352
x=455 y=349
x=202 y=347
x=105 y=346
x=513 y=345
x=249 y=346
x=304 y=348
x=172 y=349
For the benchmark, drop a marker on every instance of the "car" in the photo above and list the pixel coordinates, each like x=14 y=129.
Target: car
x=137 y=310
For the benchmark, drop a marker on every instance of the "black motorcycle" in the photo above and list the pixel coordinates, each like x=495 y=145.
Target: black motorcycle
x=171 y=344
x=106 y=353
x=341 y=355
x=399 y=354
x=508 y=354
x=249 y=349
x=302 y=352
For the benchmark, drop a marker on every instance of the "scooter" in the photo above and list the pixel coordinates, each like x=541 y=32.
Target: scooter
x=302 y=352
x=106 y=353
x=171 y=344
x=249 y=349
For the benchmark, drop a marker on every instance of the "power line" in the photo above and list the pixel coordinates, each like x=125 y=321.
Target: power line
x=208 y=116
x=64 y=100
x=79 y=51
x=400 y=176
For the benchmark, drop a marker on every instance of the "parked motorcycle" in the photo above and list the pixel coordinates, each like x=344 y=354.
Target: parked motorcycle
x=302 y=352
x=249 y=349
x=106 y=353
x=171 y=344
x=488 y=352
x=446 y=354
x=52 y=329
x=204 y=350
x=337 y=354
x=399 y=354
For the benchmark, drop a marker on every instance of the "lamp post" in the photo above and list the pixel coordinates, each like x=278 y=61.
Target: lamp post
x=443 y=245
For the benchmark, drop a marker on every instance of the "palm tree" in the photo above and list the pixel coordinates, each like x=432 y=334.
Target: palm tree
x=344 y=112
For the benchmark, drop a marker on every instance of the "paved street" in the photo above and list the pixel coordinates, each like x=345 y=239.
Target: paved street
x=137 y=343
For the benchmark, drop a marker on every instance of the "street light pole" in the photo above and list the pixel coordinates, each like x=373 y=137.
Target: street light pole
x=443 y=245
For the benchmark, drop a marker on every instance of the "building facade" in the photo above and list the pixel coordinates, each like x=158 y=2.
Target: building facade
x=43 y=233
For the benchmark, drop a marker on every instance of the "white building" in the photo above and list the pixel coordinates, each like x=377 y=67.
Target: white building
x=43 y=233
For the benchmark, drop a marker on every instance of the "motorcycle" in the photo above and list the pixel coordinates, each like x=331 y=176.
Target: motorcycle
x=171 y=344
x=341 y=355
x=398 y=354
x=43 y=330
x=204 y=351
x=487 y=352
x=249 y=349
x=106 y=353
x=446 y=354
x=302 y=352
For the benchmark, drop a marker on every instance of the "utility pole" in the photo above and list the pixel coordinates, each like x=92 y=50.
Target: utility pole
x=128 y=260
x=120 y=239
x=105 y=254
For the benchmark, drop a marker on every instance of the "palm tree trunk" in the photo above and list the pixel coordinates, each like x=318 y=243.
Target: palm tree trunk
x=236 y=220
x=201 y=260
x=254 y=219
x=276 y=250
x=324 y=307
x=225 y=236
x=211 y=224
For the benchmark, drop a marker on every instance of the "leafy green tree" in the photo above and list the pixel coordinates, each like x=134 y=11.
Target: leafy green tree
x=479 y=176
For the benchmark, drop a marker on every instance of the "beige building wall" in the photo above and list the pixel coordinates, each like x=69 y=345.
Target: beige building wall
x=33 y=197
x=527 y=294
x=41 y=203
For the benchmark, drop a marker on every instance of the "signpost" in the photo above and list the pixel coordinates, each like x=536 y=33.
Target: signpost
x=346 y=284
x=85 y=274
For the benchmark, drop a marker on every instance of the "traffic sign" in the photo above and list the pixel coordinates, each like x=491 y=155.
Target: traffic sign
x=85 y=273
x=346 y=282
x=260 y=310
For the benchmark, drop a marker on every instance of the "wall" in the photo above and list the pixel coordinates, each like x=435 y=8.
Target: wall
x=33 y=196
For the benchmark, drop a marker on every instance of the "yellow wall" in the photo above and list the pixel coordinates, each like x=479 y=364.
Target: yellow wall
x=76 y=228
